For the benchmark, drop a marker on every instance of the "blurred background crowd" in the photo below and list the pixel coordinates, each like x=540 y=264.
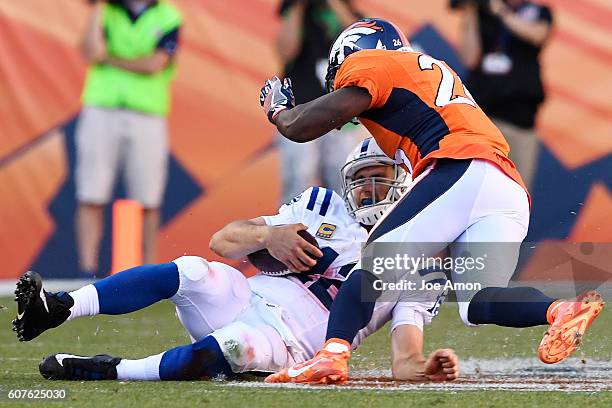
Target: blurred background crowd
x=156 y=101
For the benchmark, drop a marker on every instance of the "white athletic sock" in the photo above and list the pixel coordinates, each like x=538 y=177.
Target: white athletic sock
x=85 y=302
x=336 y=346
x=145 y=369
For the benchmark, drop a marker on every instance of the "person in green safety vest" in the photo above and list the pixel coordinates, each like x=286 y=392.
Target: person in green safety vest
x=130 y=47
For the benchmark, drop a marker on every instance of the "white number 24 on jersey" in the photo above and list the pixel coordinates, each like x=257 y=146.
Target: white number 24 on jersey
x=446 y=89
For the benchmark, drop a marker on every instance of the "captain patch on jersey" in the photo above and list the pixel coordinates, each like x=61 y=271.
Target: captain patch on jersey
x=326 y=231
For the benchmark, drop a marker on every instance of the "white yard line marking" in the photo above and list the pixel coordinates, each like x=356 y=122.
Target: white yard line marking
x=513 y=374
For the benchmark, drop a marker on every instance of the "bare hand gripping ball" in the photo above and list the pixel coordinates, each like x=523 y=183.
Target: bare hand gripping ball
x=269 y=265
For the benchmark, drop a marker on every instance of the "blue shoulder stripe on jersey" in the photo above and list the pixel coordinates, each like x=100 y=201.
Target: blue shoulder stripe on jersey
x=364 y=145
x=313 y=198
x=326 y=202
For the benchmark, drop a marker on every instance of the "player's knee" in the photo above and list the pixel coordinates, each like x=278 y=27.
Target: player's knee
x=192 y=268
x=242 y=345
x=248 y=348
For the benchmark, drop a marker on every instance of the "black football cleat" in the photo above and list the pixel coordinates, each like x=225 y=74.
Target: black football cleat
x=37 y=309
x=70 y=367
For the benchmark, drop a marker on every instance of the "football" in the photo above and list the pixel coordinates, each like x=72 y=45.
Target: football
x=269 y=265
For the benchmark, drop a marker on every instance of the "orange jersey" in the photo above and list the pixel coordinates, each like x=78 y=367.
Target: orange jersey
x=421 y=111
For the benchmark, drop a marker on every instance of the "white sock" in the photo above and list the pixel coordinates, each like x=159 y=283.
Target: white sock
x=335 y=347
x=85 y=302
x=146 y=369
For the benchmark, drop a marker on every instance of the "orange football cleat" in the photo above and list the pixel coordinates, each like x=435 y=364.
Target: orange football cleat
x=328 y=366
x=568 y=320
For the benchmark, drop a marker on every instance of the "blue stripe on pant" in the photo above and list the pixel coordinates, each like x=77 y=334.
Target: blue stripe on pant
x=445 y=174
x=349 y=312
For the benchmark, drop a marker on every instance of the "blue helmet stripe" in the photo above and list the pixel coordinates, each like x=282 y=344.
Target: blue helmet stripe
x=364 y=145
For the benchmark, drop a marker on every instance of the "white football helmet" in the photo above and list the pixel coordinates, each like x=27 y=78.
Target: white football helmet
x=367 y=154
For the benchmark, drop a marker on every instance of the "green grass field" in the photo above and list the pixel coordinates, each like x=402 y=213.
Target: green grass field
x=156 y=329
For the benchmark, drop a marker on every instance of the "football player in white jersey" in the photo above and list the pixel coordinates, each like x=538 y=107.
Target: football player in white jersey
x=260 y=324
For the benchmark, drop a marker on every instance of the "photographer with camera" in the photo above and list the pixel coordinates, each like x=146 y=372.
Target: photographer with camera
x=130 y=47
x=308 y=29
x=500 y=45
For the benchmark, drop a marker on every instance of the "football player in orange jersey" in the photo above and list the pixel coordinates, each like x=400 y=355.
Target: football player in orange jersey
x=465 y=191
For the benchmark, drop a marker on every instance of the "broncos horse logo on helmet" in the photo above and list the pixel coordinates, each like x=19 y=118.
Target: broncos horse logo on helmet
x=367 y=33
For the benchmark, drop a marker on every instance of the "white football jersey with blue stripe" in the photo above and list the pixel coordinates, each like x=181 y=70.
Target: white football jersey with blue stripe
x=338 y=234
x=340 y=237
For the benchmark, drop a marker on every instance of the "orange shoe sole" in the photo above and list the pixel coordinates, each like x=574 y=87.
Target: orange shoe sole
x=331 y=377
x=560 y=342
x=327 y=375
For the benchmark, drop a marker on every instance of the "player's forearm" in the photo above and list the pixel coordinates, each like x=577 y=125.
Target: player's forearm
x=303 y=123
x=93 y=45
x=313 y=119
x=144 y=65
x=409 y=368
x=238 y=239
x=407 y=360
